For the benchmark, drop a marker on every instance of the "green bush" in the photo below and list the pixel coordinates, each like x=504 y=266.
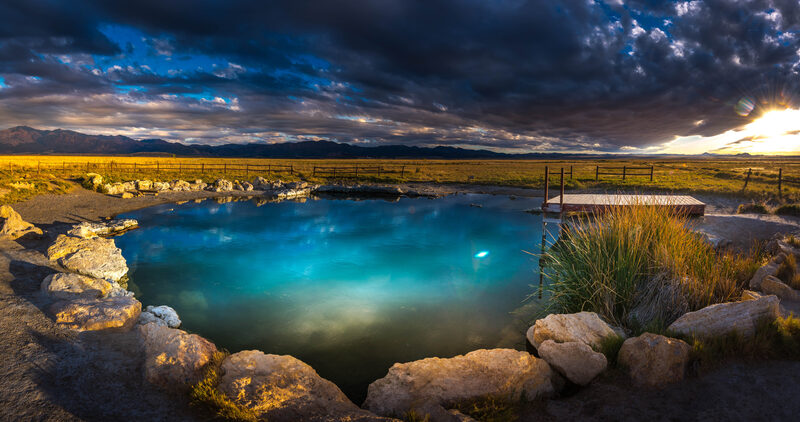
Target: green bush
x=752 y=208
x=789 y=209
x=640 y=265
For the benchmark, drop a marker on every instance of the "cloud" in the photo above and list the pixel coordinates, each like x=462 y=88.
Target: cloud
x=509 y=75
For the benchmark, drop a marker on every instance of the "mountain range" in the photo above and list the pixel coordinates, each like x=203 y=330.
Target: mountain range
x=27 y=140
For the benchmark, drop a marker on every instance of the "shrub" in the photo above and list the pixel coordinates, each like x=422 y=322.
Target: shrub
x=787 y=272
x=205 y=393
x=491 y=409
x=793 y=241
x=641 y=265
x=609 y=346
x=789 y=209
x=752 y=208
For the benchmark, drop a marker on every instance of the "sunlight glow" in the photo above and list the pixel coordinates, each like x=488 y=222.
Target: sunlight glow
x=481 y=254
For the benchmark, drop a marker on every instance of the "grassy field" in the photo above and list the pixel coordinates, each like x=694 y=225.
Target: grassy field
x=698 y=175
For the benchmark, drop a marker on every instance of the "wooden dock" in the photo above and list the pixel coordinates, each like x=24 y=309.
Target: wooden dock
x=686 y=205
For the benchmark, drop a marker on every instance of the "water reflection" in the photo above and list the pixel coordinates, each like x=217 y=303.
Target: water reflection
x=350 y=287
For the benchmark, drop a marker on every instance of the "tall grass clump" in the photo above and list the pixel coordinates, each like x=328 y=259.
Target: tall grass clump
x=206 y=394
x=640 y=267
x=788 y=209
x=752 y=208
x=788 y=273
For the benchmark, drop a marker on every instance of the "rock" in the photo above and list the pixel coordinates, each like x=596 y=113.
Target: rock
x=92 y=181
x=443 y=382
x=116 y=313
x=584 y=327
x=360 y=190
x=751 y=295
x=14 y=226
x=724 y=318
x=88 y=230
x=575 y=360
x=772 y=285
x=144 y=184
x=654 y=360
x=247 y=187
x=282 y=388
x=174 y=359
x=769 y=269
x=113 y=189
x=129 y=186
x=71 y=286
x=288 y=193
x=180 y=186
x=221 y=185
x=127 y=195
x=160 y=186
x=161 y=315
x=296 y=185
x=261 y=183
x=96 y=257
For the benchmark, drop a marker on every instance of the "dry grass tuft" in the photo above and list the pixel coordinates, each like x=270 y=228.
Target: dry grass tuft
x=205 y=393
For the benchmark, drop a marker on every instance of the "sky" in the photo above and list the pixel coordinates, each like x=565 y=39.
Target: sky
x=606 y=76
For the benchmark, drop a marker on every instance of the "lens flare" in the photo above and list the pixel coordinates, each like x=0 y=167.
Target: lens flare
x=482 y=254
x=745 y=106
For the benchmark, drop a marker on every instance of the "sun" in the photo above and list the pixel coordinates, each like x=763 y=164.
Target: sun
x=775 y=132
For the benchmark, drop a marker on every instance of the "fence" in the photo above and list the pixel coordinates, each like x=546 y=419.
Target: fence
x=780 y=180
x=626 y=171
x=356 y=170
x=112 y=167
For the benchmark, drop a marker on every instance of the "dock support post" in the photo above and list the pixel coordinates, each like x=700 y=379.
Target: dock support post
x=546 y=186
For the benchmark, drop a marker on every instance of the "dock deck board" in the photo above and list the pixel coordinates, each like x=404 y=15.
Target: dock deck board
x=598 y=202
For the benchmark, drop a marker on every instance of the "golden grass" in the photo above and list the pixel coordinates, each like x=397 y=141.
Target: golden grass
x=206 y=394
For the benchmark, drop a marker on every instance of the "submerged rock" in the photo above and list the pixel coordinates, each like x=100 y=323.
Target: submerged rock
x=575 y=360
x=160 y=315
x=88 y=230
x=116 y=313
x=653 y=360
x=174 y=359
x=584 y=327
x=288 y=193
x=72 y=286
x=282 y=388
x=96 y=257
x=724 y=318
x=14 y=226
x=435 y=382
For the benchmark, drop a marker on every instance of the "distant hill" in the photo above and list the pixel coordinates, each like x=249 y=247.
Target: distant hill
x=26 y=140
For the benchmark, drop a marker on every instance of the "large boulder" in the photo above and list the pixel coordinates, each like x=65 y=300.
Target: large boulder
x=575 y=360
x=160 y=186
x=724 y=318
x=282 y=388
x=583 y=327
x=772 y=285
x=436 y=382
x=160 y=315
x=92 y=181
x=180 y=185
x=72 y=286
x=14 y=226
x=654 y=360
x=174 y=359
x=221 y=185
x=88 y=230
x=144 y=184
x=768 y=269
x=96 y=257
x=113 y=313
x=113 y=188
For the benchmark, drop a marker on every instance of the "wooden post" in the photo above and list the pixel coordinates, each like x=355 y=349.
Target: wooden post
x=624 y=170
x=379 y=171
x=225 y=168
x=64 y=166
x=570 y=172
x=546 y=186
x=561 y=196
x=402 y=171
x=202 y=168
x=597 y=174
x=747 y=179
x=247 y=170
x=780 y=180
x=291 y=169
x=39 y=167
x=87 y=166
x=334 y=172
x=651 y=173
x=356 y=171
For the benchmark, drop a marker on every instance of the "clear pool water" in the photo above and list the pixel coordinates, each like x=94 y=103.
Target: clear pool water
x=349 y=287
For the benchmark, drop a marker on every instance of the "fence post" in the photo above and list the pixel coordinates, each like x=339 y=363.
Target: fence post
x=314 y=172
x=570 y=172
x=780 y=179
x=747 y=179
x=651 y=173
x=561 y=195
x=597 y=174
x=291 y=169
x=334 y=172
x=64 y=166
x=247 y=170
x=87 y=166
x=380 y=168
x=38 y=167
x=624 y=170
x=225 y=168
x=402 y=171
x=356 y=171
x=202 y=168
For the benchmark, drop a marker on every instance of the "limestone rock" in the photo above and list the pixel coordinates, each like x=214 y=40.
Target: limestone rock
x=654 y=360
x=751 y=295
x=129 y=186
x=221 y=185
x=361 y=190
x=127 y=195
x=88 y=230
x=282 y=388
x=285 y=193
x=442 y=382
x=575 y=360
x=71 y=286
x=96 y=257
x=14 y=226
x=174 y=359
x=161 y=315
x=116 y=313
x=723 y=318
x=113 y=188
x=92 y=181
x=584 y=327
x=180 y=186
x=772 y=285
x=769 y=269
x=144 y=184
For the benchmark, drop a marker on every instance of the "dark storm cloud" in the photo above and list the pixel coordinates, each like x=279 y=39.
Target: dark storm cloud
x=535 y=75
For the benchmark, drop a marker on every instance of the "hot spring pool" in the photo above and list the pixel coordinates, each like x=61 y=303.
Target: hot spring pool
x=349 y=287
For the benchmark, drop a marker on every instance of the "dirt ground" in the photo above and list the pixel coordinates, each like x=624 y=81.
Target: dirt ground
x=47 y=373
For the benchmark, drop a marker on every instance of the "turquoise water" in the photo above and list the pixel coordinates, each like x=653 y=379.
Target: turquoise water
x=349 y=287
